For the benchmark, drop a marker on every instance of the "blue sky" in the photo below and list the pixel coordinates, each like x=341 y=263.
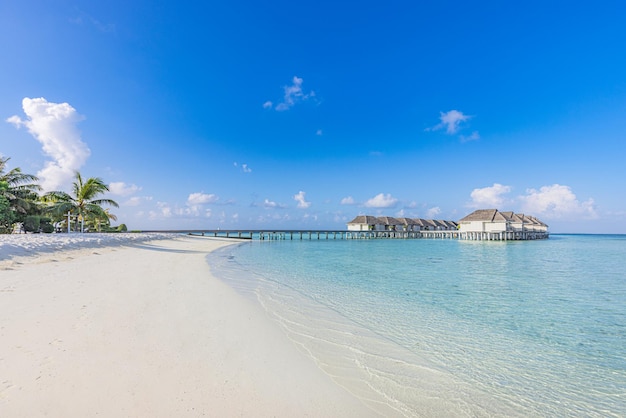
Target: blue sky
x=280 y=114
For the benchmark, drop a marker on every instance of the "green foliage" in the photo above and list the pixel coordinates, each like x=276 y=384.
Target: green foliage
x=122 y=228
x=20 y=202
x=32 y=223
x=82 y=203
x=7 y=217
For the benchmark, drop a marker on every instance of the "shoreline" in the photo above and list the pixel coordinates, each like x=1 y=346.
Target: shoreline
x=144 y=329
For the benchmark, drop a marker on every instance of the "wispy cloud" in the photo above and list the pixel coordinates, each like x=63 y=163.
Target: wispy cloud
x=54 y=126
x=122 y=189
x=475 y=136
x=137 y=200
x=293 y=94
x=269 y=204
x=319 y=132
x=381 y=200
x=349 y=200
x=491 y=197
x=452 y=122
x=201 y=198
x=300 y=198
x=244 y=167
x=86 y=19
x=433 y=212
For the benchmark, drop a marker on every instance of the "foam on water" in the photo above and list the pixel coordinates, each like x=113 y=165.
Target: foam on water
x=452 y=328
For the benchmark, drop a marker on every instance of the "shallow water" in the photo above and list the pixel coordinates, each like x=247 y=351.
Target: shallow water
x=452 y=328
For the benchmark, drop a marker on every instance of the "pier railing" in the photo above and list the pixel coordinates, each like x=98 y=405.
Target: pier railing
x=270 y=235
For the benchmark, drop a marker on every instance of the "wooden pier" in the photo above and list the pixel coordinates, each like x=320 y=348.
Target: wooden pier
x=274 y=235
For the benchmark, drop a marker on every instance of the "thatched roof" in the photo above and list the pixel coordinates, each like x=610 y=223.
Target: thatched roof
x=408 y=221
x=364 y=220
x=493 y=215
x=428 y=222
x=486 y=215
x=388 y=220
x=450 y=224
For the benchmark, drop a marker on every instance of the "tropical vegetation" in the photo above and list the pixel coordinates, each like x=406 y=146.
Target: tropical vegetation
x=18 y=195
x=82 y=203
x=23 y=208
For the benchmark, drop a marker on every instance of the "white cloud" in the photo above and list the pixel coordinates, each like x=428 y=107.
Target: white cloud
x=450 y=121
x=489 y=197
x=271 y=204
x=244 y=167
x=381 y=201
x=54 y=126
x=137 y=200
x=319 y=132
x=293 y=95
x=122 y=189
x=433 y=212
x=300 y=198
x=201 y=198
x=348 y=201
x=267 y=105
x=556 y=201
x=475 y=136
x=166 y=211
x=84 y=18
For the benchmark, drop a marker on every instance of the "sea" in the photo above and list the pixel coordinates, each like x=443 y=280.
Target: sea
x=451 y=328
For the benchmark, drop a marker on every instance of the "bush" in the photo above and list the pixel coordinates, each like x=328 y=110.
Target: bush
x=47 y=228
x=7 y=217
x=32 y=223
x=122 y=228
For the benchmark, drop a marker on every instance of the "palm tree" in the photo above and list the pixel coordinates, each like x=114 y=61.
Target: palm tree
x=99 y=221
x=82 y=202
x=20 y=189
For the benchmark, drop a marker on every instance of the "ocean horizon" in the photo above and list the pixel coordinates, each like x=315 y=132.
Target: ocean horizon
x=427 y=327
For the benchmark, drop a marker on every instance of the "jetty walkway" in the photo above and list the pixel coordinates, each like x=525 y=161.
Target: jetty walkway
x=270 y=235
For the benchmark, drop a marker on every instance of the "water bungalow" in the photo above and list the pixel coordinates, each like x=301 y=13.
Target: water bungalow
x=387 y=223
x=482 y=224
x=491 y=224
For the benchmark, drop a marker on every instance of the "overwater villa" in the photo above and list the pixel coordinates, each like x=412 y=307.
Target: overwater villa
x=483 y=224
x=491 y=224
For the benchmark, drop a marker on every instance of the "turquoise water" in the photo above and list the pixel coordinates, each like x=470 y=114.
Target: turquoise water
x=452 y=328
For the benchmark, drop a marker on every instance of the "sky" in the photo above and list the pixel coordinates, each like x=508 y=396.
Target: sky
x=297 y=115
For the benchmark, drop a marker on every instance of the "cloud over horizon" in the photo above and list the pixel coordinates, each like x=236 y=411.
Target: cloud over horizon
x=557 y=201
x=489 y=197
x=381 y=200
x=54 y=126
x=201 y=198
x=551 y=202
x=300 y=198
x=122 y=189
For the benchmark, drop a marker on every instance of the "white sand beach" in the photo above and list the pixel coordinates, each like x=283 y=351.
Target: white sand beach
x=135 y=328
